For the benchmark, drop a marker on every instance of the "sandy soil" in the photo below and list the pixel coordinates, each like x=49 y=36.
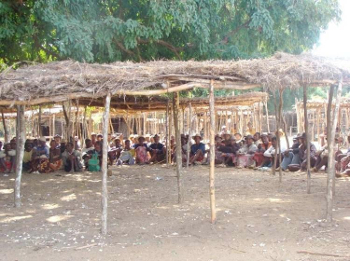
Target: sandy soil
x=258 y=218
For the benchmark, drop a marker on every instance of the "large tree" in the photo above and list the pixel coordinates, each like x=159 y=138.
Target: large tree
x=111 y=30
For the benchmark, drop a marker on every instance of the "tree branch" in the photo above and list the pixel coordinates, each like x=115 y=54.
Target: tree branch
x=165 y=44
x=121 y=46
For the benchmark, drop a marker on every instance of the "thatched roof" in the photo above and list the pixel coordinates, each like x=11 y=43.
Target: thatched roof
x=322 y=103
x=59 y=81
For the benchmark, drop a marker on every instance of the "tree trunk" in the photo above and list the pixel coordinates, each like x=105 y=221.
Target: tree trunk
x=20 y=135
x=176 y=110
x=306 y=122
x=104 y=164
x=212 y=152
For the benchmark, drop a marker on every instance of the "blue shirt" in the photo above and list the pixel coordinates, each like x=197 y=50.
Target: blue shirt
x=196 y=147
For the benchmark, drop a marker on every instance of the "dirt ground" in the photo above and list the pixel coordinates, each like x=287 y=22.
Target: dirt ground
x=257 y=217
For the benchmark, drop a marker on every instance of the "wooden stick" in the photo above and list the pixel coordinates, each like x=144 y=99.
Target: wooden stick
x=84 y=136
x=330 y=141
x=7 y=136
x=20 y=135
x=319 y=254
x=306 y=124
x=167 y=138
x=267 y=116
x=104 y=165
x=178 y=149
x=53 y=125
x=39 y=122
x=189 y=135
x=279 y=136
x=212 y=153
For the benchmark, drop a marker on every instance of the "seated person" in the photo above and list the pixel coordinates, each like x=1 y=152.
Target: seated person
x=269 y=154
x=219 y=158
x=114 y=151
x=245 y=154
x=197 y=150
x=7 y=159
x=88 y=147
x=303 y=153
x=40 y=157
x=126 y=155
x=291 y=156
x=238 y=137
x=27 y=156
x=157 y=150
x=141 y=151
x=257 y=138
x=229 y=150
x=322 y=155
x=55 y=157
x=93 y=138
x=77 y=143
x=71 y=159
x=262 y=147
x=57 y=139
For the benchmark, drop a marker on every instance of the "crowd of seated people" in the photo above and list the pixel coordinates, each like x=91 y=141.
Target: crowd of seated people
x=251 y=151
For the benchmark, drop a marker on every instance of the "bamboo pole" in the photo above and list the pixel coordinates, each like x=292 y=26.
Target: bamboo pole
x=212 y=153
x=20 y=135
x=6 y=132
x=331 y=157
x=104 y=165
x=189 y=135
x=178 y=149
x=306 y=122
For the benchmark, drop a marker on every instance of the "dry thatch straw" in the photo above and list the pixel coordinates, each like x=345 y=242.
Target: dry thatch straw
x=59 y=81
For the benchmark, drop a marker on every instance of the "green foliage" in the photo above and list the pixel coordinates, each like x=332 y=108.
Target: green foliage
x=112 y=30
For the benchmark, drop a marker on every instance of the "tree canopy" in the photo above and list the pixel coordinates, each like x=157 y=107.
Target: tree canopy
x=112 y=30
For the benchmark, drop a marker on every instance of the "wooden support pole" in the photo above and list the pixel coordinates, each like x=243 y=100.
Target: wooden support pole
x=77 y=125
x=20 y=136
x=212 y=153
x=267 y=116
x=189 y=135
x=6 y=132
x=279 y=136
x=176 y=111
x=39 y=122
x=331 y=128
x=104 y=164
x=53 y=125
x=167 y=138
x=306 y=122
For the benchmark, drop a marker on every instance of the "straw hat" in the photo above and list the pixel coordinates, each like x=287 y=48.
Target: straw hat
x=197 y=135
x=43 y=139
